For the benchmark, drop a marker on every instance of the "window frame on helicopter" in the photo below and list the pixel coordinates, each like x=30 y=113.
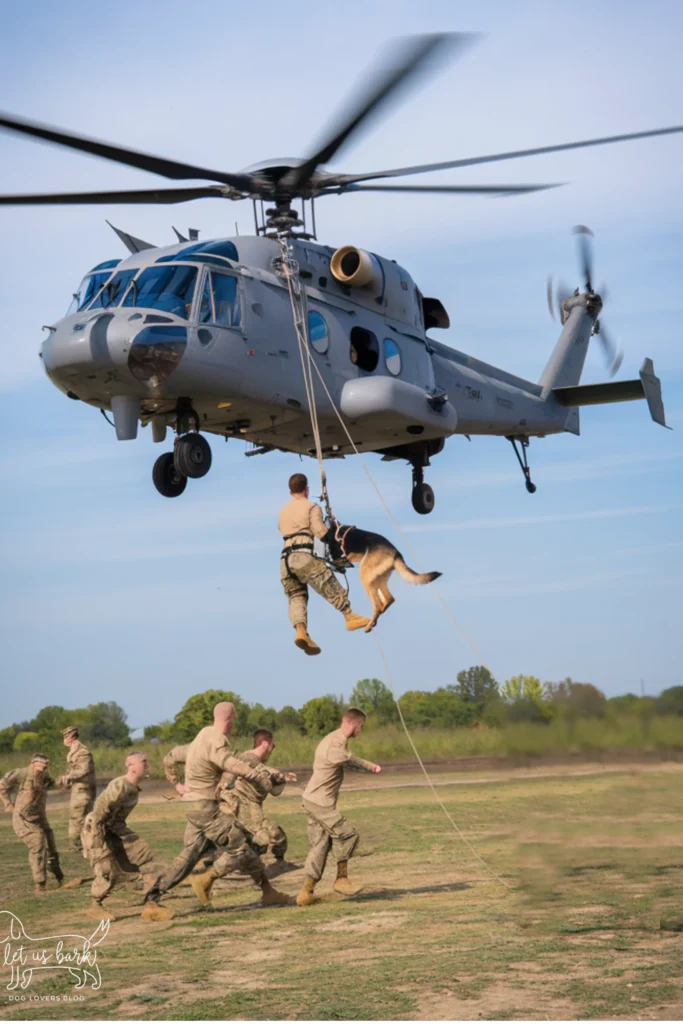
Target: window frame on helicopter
x=236 y=303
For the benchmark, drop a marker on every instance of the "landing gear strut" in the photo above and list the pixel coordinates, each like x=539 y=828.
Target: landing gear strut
x=423 y=495
x=190 y=458
x=522 y=459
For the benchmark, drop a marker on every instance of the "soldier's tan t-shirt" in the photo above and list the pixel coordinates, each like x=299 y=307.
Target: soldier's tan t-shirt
x=301 y=517
x=208 y=756
x=330 y=758
x=176 y=756
x=246 y=790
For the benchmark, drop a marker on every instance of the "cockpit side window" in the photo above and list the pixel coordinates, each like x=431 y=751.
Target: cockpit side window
x=226 y=299
x=88 y=289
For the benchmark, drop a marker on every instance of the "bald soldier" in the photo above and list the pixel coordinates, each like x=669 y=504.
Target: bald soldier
x=114 y=849
x=300 y=521
x=327 y=828
x=80 y=781
x=207 y=758
x=245 y=801
x=29 y=788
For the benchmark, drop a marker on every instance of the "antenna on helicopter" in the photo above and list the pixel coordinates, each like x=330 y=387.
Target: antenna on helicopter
x=131 y=243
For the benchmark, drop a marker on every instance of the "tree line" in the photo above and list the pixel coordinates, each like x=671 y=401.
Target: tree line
x=475 y=698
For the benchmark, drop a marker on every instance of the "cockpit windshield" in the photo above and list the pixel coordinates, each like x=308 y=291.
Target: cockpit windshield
x=88 y=288
x=114 y=290
x=170 y=289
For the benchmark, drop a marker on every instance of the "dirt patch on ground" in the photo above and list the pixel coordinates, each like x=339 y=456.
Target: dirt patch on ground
x=370 y=923
x=499 y=1000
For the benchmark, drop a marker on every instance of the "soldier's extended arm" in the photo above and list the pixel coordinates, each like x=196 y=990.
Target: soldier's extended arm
x=227 y=762
x=338 y=754
x=80 y=770
x=176 y=756
x=317 y=523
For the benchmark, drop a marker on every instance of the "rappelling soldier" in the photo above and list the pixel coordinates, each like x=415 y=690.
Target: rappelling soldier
x=300 y=521
x=80 y=781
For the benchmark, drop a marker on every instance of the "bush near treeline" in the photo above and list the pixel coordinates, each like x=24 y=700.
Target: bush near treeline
x=475 y=715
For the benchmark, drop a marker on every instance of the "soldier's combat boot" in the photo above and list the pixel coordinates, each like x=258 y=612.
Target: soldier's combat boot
x=304 y=642
x=354 y=621
x=153 y=911
x=307 y=894
x=201 y=885
x=56 y=869
x=98 y=913
x=343 y=883
x=271 y=897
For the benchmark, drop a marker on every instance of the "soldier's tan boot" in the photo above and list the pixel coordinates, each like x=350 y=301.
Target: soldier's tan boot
x=354 y=621
x=343 y=883
x=202 y=884
x=98 y=913
x=307 y=894
x=155 y=912
x=271 y=897
x=304 y=642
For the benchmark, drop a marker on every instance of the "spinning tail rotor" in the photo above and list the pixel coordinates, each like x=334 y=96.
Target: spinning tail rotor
x=558 y=295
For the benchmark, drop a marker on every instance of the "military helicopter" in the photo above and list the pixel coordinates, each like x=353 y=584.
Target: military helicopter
x=201 y=336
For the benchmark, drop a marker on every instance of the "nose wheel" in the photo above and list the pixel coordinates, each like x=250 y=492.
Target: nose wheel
x=167 y=480
x=523 y=443
x=423 y=496
x=190 y=458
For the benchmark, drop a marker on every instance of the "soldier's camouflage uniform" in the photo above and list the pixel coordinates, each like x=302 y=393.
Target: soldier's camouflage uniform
x=29 y=819
x=300 y=521
x=245 y=801
x=327 y=828
x=80 y=780
x=111 y=846
x=206 y=759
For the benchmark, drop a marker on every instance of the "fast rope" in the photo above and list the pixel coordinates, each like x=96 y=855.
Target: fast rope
x=297 y=295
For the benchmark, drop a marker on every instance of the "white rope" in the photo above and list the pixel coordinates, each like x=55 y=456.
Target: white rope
x=297 y=296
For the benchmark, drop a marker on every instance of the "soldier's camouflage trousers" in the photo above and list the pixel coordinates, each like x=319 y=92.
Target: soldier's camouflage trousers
x=120 y=853
x=327 y=830
x=267 y=837
x=42 y=849
x=208 y=827
x=301 y=571
x=80 y=804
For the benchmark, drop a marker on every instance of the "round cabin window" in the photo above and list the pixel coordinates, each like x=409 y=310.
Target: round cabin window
x=317 y=332
x=392 y=357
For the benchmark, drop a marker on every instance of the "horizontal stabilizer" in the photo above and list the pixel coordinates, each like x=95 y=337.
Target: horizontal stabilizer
x=647 y=386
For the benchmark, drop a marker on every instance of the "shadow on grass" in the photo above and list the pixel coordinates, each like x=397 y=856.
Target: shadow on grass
x=420 y=890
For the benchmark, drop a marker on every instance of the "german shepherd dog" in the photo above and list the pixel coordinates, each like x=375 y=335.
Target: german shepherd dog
x=377 y=558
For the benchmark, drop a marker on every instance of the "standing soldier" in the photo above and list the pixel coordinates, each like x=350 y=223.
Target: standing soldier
x=207 y=758
x=80 y=779
x=245 y=801
x=300 y=521
x=112 y=847
x=29 y=817
x=327 y=828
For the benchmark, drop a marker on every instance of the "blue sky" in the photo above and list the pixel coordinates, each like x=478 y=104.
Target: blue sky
x=112 y=592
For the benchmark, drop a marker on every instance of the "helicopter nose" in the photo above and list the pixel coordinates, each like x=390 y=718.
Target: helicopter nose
x=77 y=348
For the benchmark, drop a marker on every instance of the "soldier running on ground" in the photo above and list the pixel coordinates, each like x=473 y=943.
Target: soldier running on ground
x=327 y=828
x=300 y=521
x=80 y=780
x=29 y=817
x=245 y=801
x=207 y=758
x=113 y=848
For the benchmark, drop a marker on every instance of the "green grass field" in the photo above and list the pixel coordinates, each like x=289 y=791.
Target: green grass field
x=594 y=862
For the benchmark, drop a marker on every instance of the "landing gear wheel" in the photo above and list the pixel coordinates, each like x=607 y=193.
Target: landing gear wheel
x=192 y=456
x=167 y=480
x=423 y=499
x=531 y=488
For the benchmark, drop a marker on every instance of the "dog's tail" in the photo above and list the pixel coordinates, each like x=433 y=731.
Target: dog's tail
x=407 y=574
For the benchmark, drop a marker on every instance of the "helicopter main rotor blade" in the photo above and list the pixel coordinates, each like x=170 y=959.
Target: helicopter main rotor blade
x=345 y=179
x=484 y=190
x=130 y=157
x=163 y=195
x=409 y=58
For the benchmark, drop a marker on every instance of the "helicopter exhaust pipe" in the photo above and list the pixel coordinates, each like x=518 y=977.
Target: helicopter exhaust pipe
x=356 y=268
x=126 y=412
